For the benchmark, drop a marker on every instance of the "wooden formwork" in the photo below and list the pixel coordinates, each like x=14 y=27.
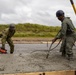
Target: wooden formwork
x=72 y=72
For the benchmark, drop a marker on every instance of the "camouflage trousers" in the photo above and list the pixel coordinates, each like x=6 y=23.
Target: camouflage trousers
x=67 y=44
x=10 y=42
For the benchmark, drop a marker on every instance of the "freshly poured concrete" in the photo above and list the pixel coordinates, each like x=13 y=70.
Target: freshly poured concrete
x=32 y=58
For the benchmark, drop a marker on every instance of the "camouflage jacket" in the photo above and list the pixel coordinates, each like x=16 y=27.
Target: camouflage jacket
x=7 y=34
x=67 y=28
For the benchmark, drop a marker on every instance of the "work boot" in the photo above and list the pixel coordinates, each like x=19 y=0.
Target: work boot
x=11 y=52
x=70 y=57
x=64 y=53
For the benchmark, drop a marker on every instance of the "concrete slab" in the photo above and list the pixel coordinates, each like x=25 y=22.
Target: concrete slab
x=32 y=58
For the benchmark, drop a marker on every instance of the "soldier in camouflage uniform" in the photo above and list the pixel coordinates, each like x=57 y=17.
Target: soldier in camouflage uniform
x=67 y=34
x=6 y=36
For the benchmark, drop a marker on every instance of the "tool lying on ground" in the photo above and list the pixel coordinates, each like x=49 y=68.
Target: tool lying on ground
x=50 y=49
x=3 y=51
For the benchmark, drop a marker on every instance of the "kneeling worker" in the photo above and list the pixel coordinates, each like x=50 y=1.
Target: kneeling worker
x=6 y=37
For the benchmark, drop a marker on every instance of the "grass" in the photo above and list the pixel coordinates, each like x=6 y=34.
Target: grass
x=27 y=34
x=33 y=30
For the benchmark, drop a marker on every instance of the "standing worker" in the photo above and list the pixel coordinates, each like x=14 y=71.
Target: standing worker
x=6 y=37
x=67 y=34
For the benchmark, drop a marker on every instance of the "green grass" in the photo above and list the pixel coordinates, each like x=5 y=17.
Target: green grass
x=33 y=30
x=42 y=34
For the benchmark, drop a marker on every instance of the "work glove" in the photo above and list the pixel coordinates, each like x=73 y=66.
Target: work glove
x=0 y=35
x=54 y=40
x=3 y=48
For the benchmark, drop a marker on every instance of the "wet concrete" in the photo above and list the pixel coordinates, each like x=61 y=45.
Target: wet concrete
x=32 y=58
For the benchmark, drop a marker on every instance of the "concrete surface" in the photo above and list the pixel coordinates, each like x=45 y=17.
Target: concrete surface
x=32 y=58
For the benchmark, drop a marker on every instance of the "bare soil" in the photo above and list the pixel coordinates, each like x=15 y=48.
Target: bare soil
x=31 y=40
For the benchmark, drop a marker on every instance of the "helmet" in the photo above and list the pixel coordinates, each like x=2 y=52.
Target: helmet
x=59 y=13
x=11 y=26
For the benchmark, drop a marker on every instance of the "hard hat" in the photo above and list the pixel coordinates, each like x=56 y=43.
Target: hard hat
x=59 y=13
x=11 y=26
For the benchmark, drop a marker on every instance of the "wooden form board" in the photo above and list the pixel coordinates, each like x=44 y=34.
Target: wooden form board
x=47 y=73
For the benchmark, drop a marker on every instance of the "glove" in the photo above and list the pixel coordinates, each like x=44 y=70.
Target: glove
x=54 y=40
x=0 y=35
x=3 y=48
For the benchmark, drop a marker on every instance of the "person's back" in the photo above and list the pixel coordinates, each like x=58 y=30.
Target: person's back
x=69 y=26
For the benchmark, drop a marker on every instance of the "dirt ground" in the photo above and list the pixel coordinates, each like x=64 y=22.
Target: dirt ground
x=21 y=40
x=30 y=56
x=31 y=40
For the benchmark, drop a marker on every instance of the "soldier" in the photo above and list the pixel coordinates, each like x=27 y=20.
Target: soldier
x=6 y=36
x=67 y=34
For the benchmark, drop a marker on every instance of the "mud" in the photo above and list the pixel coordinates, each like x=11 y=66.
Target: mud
x=32 y=58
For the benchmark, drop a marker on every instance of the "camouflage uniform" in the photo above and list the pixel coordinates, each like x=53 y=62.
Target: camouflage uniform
x=6 y=36
x=68 y=36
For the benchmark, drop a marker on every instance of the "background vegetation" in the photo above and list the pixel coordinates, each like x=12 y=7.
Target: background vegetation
x=33 y=30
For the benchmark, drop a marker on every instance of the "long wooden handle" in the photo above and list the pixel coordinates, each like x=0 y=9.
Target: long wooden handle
x=72 y=3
